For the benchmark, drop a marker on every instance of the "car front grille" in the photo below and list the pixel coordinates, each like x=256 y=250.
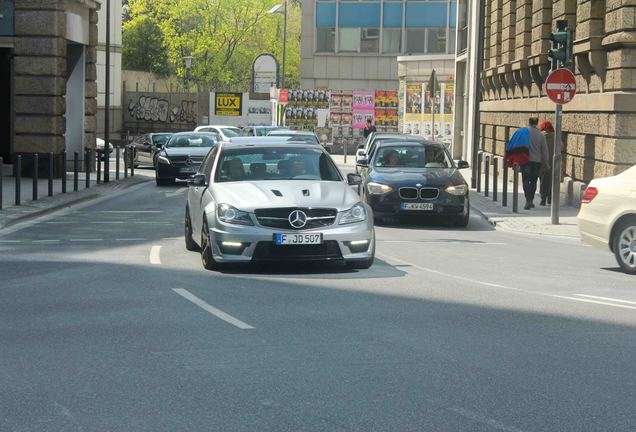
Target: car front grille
x=279 y=217
x=429 y=193
x=408 y=193
x=268 y=251
x=180 y=161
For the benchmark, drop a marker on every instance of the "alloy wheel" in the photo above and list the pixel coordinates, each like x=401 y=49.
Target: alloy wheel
x=627 y=247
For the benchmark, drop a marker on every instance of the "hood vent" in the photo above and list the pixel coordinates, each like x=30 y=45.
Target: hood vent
x=306 y=192
x=277 y=193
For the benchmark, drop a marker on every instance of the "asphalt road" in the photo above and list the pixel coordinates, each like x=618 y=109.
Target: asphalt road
x=109 y=324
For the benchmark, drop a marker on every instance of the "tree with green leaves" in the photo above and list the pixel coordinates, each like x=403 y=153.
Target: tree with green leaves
x=143 y=47
x=222 y=36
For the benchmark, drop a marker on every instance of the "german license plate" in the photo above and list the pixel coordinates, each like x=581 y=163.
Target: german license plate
x=188 y=170
x=297 y=239
x=416 y=206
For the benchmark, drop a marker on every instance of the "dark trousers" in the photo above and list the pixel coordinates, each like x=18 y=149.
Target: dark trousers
x=529 y=175
x=546 y=186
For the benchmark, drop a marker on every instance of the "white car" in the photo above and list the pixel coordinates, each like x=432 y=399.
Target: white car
x=225 y=132
x=607 y=219
x=99 y=145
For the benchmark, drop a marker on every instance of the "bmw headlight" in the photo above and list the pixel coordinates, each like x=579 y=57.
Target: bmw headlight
x=228 y=214
x=378 y=189
x=357 y=213
x=457 y=190
x=163 y=159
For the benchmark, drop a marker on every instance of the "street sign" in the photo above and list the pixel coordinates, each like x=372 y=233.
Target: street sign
x=264 y=73
x=561 y=86
x=283 y=96
x=228 y=104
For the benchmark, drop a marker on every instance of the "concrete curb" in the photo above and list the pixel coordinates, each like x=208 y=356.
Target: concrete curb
x=18 y=214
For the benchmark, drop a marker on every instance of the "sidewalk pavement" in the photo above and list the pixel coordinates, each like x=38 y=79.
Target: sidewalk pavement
x=535 y=221
x=12 y=214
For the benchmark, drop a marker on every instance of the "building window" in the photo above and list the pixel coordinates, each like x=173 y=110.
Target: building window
x=415 y=40
x=325 y=39
x=349 y=39
x=436 y=41
x=391 y=40
x=370 y=40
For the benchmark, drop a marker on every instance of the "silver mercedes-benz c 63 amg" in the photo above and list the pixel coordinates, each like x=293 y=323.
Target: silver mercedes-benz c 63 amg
x=272 y=201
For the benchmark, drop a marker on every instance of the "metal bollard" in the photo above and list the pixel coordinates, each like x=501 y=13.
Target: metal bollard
x=117 y=151
x=126 y=161
x=487 y=176
x=64 y=172
x=75 y=171
x=87 y=168
x=99 y=166
x=132 y=161
x=50 y=174
x=495 y=175
x=515 y=189
x=35 y=177
x=504 y=196
x=480 y=156
x=18 y=179
x=1 y=175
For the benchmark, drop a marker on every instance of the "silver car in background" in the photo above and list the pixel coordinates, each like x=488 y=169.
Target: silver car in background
x=266 y=201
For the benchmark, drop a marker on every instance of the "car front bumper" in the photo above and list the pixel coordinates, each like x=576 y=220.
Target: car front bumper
x=391 y=205
x=165 y=171
x=257 y=243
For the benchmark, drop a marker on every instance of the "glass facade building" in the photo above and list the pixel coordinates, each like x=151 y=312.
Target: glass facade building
x=385 y=27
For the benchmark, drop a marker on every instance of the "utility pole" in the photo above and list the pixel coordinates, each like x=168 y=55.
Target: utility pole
x=432 y=93
x=107 y=100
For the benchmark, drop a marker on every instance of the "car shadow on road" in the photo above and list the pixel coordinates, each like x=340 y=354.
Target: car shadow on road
x=434 y=224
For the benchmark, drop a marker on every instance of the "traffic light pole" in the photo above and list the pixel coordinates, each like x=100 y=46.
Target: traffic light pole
x=556 y=166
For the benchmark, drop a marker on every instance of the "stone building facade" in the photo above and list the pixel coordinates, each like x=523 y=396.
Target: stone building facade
x=599 y=125
x=52 y=90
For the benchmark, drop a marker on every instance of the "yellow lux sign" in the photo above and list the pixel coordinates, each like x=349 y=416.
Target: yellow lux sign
x=228 y=104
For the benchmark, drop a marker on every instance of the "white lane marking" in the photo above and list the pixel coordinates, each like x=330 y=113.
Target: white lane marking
x=459 y=242
x=130 y=239
x=608 y=299
x=211 y=309
x=106 y=222
x=595 y=302
x=45 y=241
x=175 y=193
x=86 y=240
x=155 y=255
x=61 y=222
x=132 y=211
x=10 y=241
x=493 y=285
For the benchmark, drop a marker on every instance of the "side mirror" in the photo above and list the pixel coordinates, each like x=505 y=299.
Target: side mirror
x=354 y=179
x=362 y=163
x=197 y=180
x=462 y=164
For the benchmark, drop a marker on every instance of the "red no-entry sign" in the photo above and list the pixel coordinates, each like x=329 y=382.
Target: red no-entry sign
x=561 y=86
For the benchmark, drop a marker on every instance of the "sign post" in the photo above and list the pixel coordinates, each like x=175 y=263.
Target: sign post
x=561 y=88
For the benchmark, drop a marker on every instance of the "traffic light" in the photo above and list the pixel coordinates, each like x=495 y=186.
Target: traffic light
x=562 y=46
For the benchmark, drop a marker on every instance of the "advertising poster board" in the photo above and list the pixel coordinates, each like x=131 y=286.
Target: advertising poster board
x=228 y=104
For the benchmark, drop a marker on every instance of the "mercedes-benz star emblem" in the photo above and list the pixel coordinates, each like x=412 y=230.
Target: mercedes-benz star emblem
x=189 y=162
x=297 y=219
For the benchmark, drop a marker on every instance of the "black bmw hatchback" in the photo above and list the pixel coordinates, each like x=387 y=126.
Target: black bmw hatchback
x=414 y=178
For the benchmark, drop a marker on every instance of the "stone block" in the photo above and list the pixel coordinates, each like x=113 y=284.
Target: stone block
x=540 y=5
x=39 y=85
x=489 y=131
x=622 y=19
x=91 y=54
x=40 y=22
x=38 y=143
x=90 y=123
x=34 y=124
x=91 y=72
x=563 y=7
x=40 y=46
x=622 y=125
x=45 y=105
x=50 y=66
x=90 y=106
x=90 y=91
x=589 y=28
x=544 y=16
x=590 y=10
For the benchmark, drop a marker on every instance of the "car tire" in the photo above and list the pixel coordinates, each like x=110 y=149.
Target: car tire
x=190 y=244
x=207 y=258
x=462 y=221
x=360 y=265
x=164 y=182
x=625 y=235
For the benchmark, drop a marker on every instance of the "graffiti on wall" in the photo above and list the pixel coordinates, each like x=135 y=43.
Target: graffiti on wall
x=155 y=109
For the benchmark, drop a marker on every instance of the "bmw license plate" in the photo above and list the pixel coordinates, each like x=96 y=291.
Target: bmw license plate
x=297 y=239
x=416 y=206
x=188 y=170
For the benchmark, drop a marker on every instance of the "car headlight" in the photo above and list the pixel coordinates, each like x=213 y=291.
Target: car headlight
x=228 y=214
x=164 y=160
x=357 y=213
x=378 y=189
x=457 y=190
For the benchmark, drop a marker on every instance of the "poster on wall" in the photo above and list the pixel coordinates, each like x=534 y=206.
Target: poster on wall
x=303 y=108
x=401 y=104
x=363 y=108
x=386 y=111
x=340 y=119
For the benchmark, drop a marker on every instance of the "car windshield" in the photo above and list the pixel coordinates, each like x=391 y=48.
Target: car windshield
x=191 y=140
x=412 y=156
x=160 y=139
x=275 y=163
x=231 y=132
x=264 y=131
